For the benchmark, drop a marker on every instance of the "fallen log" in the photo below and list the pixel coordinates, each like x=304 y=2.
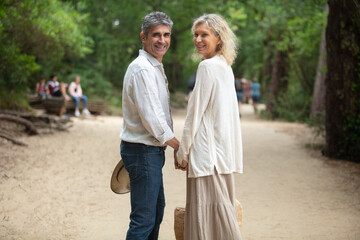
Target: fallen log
x=44 y=123
x=31 y=129
x=31 y=123
x=56 y=105
x=35 y=101
x=60 y=105
x=13 y=140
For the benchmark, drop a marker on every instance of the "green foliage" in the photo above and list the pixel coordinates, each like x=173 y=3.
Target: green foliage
x=291 y=26
x=98 y=39
x=36 y=35
x=294 y=104
x=115 y=27
x=317 y=123
x=92 y=83
x=15 y=69
x=47 y=29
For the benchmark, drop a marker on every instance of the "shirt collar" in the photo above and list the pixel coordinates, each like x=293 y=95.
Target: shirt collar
x=150 y=58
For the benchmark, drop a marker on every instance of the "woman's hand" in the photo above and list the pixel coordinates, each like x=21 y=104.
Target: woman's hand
x=184 y=165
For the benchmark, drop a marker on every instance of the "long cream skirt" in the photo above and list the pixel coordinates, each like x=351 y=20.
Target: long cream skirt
x=210 y=212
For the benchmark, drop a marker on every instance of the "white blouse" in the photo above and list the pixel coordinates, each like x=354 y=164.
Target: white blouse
x=212 y=135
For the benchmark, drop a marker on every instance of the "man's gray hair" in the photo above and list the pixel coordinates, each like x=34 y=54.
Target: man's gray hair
x=154 y=19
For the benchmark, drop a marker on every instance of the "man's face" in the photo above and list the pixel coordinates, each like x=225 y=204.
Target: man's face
x=157 y=42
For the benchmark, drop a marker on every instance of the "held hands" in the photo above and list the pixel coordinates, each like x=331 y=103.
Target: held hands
x=174 y=143
x=177 y=166
x=184 y=164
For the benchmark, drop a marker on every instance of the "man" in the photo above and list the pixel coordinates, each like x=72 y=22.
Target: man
x=147 y=127
x=56 y=89
x=75 y=92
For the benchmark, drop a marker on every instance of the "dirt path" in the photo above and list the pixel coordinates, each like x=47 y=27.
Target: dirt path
x=58 y=187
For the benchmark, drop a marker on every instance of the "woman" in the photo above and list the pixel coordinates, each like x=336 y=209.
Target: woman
x=41 y=88
x=211 y=145
x=75 y=92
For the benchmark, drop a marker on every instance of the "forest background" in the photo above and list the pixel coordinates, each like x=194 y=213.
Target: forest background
x=281 y=44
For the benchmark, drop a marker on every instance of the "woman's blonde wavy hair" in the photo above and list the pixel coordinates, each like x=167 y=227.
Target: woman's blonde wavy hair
x=228 y=46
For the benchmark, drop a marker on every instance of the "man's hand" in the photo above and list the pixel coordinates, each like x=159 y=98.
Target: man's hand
x=174 y=143
x=177 y=166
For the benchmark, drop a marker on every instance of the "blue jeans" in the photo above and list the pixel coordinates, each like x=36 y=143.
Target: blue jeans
x=144 y=164
x=77 y=100
x=239 y=96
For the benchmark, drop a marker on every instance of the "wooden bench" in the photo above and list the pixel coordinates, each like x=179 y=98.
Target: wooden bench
x=60 y=106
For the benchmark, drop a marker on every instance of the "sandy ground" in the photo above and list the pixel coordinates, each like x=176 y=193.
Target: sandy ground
x=58 y=186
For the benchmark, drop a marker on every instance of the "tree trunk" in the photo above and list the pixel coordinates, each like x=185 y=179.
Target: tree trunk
x=12 y=139
x=174 y=69
x=342 y=122
x=29 y=125
x=266 y=74
x=278 y=81
x=318 y=99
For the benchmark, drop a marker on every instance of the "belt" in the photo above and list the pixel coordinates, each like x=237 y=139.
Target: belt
x=162 y=148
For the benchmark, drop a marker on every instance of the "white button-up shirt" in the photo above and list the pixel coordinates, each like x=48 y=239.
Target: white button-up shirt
x=212 y=135
x=146 y=103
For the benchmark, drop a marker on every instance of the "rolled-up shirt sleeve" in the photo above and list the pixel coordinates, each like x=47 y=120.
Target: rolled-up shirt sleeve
x=146 y=97
x=198 y=102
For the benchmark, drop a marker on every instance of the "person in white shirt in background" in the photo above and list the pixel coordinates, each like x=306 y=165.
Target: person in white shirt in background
x=147 y=127
x=56 y=89
x=75 y=92
x=211 y=145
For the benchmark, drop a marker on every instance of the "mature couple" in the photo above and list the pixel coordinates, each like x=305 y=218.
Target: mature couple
x=210 y=149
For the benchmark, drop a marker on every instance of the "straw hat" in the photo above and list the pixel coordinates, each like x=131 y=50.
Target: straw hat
x=120 y=181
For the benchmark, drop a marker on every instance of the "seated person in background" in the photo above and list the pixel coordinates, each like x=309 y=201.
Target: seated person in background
x=41 y=88
x=75 y=92
x=56 y=89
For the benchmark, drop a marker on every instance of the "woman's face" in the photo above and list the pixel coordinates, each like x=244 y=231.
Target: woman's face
x=205 y=41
